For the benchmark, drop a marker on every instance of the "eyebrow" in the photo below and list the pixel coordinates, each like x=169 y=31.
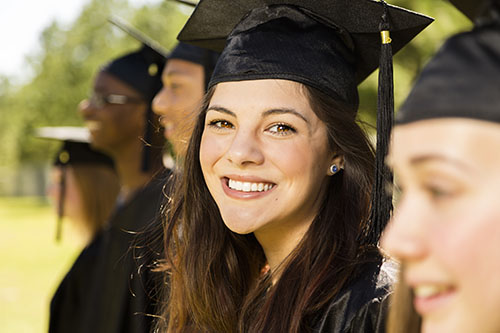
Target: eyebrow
x=420 y=159
x=285 y=111
x=176 y=73
x=222 y=110
x=265 y=113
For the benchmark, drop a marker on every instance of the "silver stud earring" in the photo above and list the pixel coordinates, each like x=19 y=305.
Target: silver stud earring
x=333 y=169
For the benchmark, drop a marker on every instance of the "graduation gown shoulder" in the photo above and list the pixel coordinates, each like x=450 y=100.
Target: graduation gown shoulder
x=361 y=306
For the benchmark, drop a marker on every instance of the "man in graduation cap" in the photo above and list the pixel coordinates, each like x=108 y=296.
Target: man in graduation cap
x=121 y=123
x=445 y=147
x=185 y=80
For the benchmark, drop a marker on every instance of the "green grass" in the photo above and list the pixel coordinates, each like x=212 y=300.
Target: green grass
x=31 y=263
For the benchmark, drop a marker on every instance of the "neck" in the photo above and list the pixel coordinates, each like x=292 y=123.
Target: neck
x=128 y=166
x=279 y=243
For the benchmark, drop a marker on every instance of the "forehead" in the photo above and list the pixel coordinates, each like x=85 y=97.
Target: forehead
x=261 y=94
x=179 y=67
x=472 y=141
x=108 y=83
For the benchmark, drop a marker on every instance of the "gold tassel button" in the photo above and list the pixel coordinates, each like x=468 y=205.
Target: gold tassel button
x=386 y=37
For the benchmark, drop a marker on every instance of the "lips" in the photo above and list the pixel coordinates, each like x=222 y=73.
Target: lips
x=168 y=127
x=429 y=297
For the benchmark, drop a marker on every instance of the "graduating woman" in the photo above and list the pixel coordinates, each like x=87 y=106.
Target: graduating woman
x=84 y=189
x=446 y=229
x=269 y=229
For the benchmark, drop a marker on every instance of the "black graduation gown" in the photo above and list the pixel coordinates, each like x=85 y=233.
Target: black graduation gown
x=361 y=307
x=111 y=279
x=68 y=301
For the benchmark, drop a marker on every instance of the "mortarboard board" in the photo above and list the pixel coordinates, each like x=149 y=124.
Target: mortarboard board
x=331 y=45
x=75 y=150
x=201 y=56
x=462 y=80
x=142 y=71
x=187 y=2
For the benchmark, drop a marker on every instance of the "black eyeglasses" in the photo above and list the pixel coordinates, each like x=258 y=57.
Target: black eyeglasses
x=99 y=101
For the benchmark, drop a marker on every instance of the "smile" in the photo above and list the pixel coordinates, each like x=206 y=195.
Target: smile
x=93 y=125
x=431 y=297
x=249 y=186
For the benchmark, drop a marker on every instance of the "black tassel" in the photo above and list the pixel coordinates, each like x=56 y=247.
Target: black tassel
x=60 y=204
x=382 y=191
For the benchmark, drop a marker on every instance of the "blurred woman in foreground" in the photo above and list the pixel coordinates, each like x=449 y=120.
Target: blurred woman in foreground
x=446 y=229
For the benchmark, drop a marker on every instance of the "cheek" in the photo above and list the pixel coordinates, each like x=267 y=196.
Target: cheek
x=212 y=149
x=298 y=160
x=470 y=247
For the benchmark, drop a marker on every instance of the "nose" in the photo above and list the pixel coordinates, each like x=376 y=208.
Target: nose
x=160 y=103
x=245 y=149
x=404 y=238
x=86 y=109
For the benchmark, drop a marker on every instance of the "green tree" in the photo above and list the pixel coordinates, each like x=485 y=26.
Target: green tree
x=64 y=70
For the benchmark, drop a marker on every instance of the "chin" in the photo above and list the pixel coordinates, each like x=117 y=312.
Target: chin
x=239 y=229
x=448 y=324
x=238 y=225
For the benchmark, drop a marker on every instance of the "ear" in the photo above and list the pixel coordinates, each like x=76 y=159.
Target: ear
x=336 y=163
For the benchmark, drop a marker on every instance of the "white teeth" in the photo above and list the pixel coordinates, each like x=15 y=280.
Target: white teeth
x=93 y=125
x=248 y=186
x=428 y=290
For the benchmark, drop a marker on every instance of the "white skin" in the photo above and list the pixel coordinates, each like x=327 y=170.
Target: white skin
x=446 y=227
x=265 y=132
x=179 y=99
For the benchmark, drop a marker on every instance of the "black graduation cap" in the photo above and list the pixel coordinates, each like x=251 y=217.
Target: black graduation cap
x=187 y=2
x=331 y=45
x=141 y=70
x=462 y=80
x=75 y=150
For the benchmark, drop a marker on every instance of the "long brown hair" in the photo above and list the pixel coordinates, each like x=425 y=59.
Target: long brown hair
x=215 y=279
x=98 y=186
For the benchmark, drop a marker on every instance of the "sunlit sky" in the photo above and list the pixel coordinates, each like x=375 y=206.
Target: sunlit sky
x=22 y=21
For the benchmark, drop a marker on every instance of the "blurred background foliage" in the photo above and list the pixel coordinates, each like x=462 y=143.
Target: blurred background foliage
x=70 y=56
x=64 y=69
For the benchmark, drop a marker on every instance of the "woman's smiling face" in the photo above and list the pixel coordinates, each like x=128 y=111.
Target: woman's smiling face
x=264 y=155
x=446 y=227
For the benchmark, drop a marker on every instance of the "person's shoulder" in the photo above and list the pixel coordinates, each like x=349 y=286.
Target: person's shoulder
x=361 y=306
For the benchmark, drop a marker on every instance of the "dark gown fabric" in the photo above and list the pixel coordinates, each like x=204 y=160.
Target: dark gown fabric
x=110 y=288
x=361 y=307
x=67 y=303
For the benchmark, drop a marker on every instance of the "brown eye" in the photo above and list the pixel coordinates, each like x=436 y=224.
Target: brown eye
x=221 y=124
x=281 y=129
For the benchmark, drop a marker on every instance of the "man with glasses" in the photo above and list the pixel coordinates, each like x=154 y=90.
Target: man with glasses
x=113 y=291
